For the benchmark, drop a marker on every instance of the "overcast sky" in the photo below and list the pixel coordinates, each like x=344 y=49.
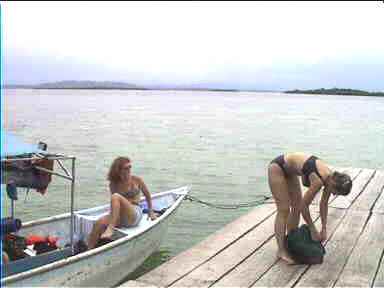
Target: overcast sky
x=239 y=44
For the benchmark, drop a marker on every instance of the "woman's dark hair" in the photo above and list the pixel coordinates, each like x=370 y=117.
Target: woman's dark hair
x=343 y=183
x=114 y=171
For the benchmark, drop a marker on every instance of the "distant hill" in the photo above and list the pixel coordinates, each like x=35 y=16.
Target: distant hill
x=122 y=85
x=86 y=85
x=17 y=86
x=337 y=91
x=79 y=85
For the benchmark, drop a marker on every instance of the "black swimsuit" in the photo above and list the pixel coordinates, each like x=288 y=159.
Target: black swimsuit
x=309 y=167
x=279 y=160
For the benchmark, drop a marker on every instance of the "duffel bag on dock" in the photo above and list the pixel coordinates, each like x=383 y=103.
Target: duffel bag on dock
x=303 y=248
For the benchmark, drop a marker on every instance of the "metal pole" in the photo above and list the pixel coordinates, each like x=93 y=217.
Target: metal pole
x=13 y=209
x=72 y=205
x=56 y=157
x=53 y=173
x=63 y=167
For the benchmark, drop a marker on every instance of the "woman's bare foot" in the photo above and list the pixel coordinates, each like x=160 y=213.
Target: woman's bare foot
x=107 y=233
x=285 y=257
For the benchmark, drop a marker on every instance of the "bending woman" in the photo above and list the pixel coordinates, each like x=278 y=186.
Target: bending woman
x=284 y=183
x=125 y=197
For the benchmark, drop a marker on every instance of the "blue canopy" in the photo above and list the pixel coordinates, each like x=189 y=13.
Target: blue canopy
x=14 y=146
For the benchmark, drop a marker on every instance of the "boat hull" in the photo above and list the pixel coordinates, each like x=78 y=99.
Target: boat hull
x=107 y=265
x=104 y=269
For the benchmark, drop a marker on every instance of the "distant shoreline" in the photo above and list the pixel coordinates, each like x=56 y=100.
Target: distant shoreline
x=137 y=89
x=337 y=91
x=112 y=85
x=95 y=85
x=82 y=88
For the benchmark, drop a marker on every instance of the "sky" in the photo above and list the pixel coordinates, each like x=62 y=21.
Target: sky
x=240 y=45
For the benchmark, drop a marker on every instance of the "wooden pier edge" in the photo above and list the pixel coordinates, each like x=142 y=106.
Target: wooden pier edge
x=242 y=253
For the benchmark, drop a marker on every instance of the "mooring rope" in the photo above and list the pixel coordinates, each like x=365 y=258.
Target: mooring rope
x=229 y=206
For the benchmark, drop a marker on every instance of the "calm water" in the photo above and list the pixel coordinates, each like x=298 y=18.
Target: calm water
x=220 y=142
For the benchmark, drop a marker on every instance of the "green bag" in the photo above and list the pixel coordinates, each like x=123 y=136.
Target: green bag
x=302 y=248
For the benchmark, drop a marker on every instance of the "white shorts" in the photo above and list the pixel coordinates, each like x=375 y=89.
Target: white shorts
x=138 y=216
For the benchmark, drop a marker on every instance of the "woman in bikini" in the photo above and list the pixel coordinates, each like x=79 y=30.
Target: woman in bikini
x=284 y=183
x=125 y=196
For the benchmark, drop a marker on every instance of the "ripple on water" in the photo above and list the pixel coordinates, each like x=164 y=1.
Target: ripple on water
x=219 y=142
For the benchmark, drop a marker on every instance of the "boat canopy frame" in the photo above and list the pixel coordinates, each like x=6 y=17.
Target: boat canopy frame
x=68 y=175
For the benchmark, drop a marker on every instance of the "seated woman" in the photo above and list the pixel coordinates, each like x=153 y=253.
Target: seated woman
x=283 y=174
x=125 y=196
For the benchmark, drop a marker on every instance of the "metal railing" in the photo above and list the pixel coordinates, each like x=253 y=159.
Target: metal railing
x=68 y=176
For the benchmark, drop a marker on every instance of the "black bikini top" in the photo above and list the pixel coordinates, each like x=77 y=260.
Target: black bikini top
x=309 y=167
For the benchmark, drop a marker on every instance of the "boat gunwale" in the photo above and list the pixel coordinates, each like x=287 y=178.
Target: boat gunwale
x=98 y=250
x=62 y=216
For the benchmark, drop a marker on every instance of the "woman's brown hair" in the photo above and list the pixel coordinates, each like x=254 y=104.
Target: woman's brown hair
x=343 y=183
x=114 y=174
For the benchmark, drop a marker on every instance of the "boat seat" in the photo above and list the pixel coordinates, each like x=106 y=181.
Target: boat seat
x=84 y=221
x=28 y=263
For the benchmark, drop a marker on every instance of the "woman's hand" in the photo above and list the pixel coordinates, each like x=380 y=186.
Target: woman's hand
x=323 y=235
x=316 y=236
x=152 y=215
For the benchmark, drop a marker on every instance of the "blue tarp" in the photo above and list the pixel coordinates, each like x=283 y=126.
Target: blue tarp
x=14 y=146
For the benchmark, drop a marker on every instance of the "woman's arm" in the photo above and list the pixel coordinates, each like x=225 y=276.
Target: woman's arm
x=324 y=213
x=148 y=197
x=306 y=201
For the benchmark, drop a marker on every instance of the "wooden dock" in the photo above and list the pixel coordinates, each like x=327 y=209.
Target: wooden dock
x=243 y=253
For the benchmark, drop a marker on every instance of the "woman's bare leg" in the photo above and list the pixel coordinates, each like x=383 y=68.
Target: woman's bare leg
x=120 y=207
x=295 y=197
x=97 y=229
x=5 y=258
x=279 y=188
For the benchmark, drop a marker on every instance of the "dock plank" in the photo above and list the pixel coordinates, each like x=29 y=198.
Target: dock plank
x=371 y=193
x=245 y=274
x=187 y=261
x=379 y=205
x=206 y=274
x=351 y=171
x=281 y=274
x=379 y=281
x=134 y=283
x=365 y=258
x=338 y=250
x=254 y=267
x=359 y=183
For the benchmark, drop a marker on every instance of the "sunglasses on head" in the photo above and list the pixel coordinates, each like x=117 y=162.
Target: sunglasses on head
x=127 y=167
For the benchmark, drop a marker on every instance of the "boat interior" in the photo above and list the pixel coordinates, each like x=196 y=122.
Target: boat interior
x=57 y=228
x=28 y=245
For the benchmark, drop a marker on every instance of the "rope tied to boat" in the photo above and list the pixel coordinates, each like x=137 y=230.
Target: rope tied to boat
x=254 y=203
